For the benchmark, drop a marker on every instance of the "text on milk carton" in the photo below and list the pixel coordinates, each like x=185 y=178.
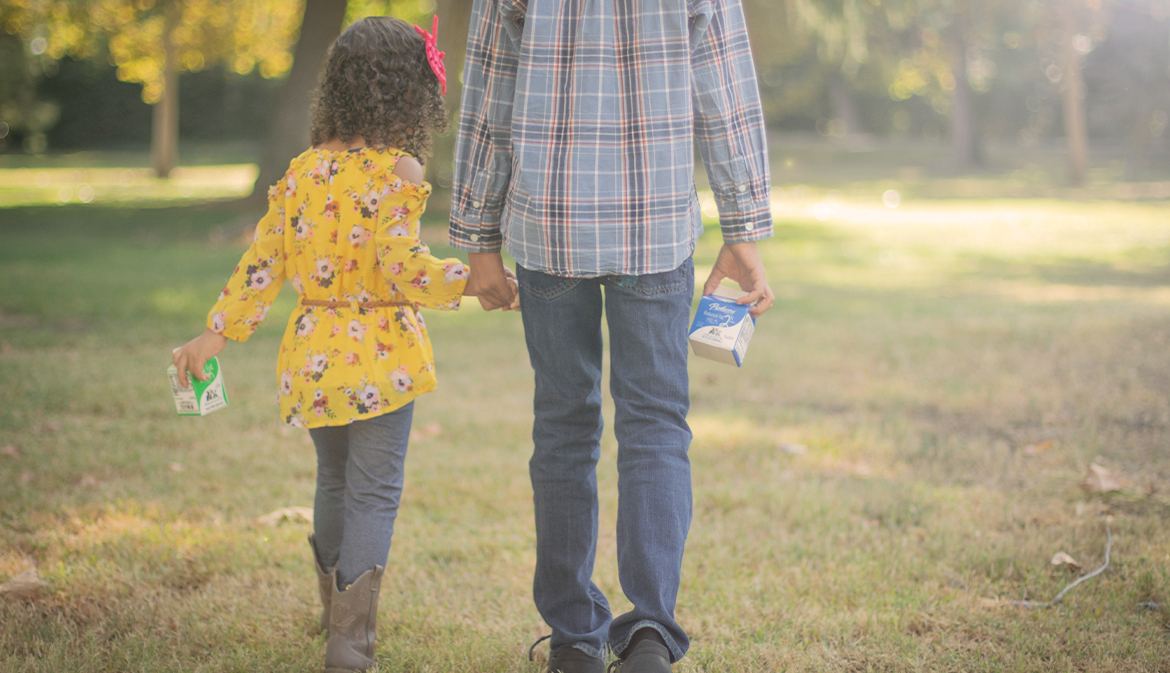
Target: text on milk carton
x=200 y=397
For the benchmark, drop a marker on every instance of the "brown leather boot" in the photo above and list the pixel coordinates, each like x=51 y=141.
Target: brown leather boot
x=325 y=582
x=353 y=623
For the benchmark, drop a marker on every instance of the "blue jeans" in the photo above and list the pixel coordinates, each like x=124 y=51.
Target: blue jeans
x=360 y=470
x=648 y=319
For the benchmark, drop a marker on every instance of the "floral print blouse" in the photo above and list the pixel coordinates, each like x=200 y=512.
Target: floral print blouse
x=341 y=227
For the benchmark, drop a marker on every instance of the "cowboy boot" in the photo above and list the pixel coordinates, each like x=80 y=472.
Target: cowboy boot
x=325 y=582
x=353 y=622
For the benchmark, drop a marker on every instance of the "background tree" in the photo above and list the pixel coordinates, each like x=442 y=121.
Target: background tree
x=842 y=29
x=454 y=21
x=1128 y=77
x=151 y=41
x=289 y=133
x=322 y=22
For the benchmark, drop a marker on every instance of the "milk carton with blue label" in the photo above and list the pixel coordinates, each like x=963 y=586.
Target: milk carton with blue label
x=722 y=328
x=199 y=398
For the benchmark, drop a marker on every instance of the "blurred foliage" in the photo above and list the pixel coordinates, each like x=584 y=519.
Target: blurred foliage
x=839 y=67
x=895 y=59
x=23 y=115
x=242 y=34
x=411 y=11
x=98 y=111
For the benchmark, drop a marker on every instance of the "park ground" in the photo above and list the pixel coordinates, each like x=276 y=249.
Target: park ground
x=893 y=468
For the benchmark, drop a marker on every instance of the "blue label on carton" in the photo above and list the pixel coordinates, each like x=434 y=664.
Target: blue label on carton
x=722 y=329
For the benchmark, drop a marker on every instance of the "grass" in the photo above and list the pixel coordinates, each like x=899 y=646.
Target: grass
x=864 y=498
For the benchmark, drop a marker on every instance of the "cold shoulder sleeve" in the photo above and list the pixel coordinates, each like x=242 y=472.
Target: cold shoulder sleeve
x=406 y=261
x=256 y=280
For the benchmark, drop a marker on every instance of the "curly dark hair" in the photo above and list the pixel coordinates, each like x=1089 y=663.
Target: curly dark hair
x=377 y=84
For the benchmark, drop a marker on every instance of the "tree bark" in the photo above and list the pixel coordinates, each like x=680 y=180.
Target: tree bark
x=164 y=132
x=454 y=21
x=844 y=109
x=289 y=134
x=1075 y=128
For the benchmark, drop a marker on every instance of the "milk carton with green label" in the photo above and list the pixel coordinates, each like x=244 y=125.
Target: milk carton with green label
x=200 y=397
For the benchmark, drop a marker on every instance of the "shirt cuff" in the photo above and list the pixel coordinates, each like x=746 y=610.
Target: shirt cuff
x=753 y=223
x=470 y=233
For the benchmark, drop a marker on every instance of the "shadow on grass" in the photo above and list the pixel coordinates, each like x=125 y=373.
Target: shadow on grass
x=153 y=222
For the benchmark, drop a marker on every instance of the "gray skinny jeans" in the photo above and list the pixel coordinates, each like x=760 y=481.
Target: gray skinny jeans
x=360 y=470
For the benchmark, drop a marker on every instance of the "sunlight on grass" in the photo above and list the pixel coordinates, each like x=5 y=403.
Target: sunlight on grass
x=48 y=186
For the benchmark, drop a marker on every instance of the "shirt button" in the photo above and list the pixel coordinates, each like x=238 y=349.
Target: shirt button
x=742 y=189
x=474 y=237
x=749 y=226
x=476 y=204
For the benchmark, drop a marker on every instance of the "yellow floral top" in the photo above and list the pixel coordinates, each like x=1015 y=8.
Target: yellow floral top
x=341 y=227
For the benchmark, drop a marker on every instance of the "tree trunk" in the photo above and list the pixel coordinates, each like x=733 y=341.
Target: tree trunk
x=164 y=132
x=844 y=109
x=1144 y=83
x=454 y=21
x=964 y=135
x=1075 y=129
x=289 y=134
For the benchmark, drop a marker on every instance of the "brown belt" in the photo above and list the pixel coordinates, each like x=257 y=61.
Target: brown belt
x=354 y=304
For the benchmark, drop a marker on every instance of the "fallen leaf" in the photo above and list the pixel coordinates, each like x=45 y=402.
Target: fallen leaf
x=26 y=477
x=1062 y=559
x=1039 y=447
x=5 y=347
x=23 y=586
x=12 y=451
x=989 y=603
x=88 y=481
x=52 y=427
x=792 y=448
x=176 y=467
x=286 y=514
x=1099 y=480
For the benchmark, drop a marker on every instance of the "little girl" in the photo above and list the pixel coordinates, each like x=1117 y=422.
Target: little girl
x=343 y=228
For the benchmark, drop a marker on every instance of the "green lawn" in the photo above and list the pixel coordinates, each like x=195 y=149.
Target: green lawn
x=865 y=494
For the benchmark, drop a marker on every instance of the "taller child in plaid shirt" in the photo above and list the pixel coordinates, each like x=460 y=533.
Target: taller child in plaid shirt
x=575 y=150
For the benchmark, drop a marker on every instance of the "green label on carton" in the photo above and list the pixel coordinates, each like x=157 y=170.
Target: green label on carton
x=201 y=397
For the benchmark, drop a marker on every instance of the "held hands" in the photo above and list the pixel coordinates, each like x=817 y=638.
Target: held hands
x=191 y=356
x=491 y=282
x=741 y=262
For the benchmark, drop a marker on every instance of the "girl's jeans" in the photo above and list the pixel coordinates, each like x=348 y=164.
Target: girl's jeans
x=648 y=318
x=359 y=483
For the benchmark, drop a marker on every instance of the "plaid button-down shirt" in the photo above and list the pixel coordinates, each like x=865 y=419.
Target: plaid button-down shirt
x=576 y=135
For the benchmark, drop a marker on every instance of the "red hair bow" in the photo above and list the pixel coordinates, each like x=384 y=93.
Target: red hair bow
x=434 y=56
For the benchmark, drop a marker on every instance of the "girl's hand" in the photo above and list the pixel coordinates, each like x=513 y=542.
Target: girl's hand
x=515 y=305
x=191 y=356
